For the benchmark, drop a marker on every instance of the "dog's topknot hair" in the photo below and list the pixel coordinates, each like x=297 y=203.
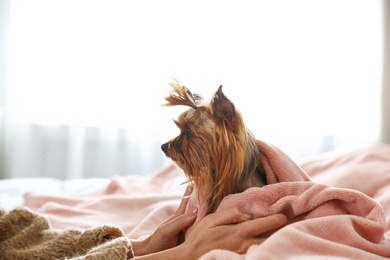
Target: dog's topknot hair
x=180 y=95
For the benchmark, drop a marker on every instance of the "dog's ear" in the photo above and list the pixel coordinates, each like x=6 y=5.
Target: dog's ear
x=223 y=108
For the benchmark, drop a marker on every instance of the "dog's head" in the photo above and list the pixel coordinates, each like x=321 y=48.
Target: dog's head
x=214 y=148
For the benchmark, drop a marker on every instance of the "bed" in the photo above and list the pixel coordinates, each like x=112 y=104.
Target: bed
x=341 y=212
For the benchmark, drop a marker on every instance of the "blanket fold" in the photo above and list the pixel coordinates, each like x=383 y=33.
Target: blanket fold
x=324 y=221
x=321 y=216
x=27 y=235
x=338 y=208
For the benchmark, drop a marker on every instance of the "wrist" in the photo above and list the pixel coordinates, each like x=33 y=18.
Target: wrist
x=188 y=250
x=140 y=246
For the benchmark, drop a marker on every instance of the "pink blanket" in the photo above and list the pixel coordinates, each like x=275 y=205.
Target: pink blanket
x=343 y=211
x=138 y=205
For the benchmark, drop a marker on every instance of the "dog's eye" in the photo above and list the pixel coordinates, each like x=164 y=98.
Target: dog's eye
x=188 y=132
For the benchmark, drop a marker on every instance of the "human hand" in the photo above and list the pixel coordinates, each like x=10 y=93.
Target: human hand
x=230 y=230
x=168 y=234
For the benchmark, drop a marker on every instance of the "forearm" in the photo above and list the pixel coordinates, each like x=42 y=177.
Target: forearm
x=177 y=253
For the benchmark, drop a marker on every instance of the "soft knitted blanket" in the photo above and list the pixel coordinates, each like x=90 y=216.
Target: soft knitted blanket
x=27 y=235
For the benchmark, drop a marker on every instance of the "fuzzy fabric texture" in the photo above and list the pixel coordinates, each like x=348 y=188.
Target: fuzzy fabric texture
x=338 y=205
x=27 y=235
x=324 y=221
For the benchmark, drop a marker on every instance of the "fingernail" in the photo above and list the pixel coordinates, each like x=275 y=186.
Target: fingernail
x=193 y=212
x=248 y=215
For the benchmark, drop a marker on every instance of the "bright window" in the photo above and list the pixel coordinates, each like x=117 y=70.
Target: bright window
x=301 y=72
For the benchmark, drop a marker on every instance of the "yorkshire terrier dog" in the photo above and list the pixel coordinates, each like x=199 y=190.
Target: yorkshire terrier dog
x=215 y=149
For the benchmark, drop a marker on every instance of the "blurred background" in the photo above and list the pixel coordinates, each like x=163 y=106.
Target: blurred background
x=82 y=81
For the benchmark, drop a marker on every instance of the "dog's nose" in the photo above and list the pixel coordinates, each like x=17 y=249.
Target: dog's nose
x=164 y=147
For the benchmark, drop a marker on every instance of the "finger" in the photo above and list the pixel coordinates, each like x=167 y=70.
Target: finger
x=226 y=217
x=178 y=224
x=275 y=221
x=260 y=226
x=183 y=204
x=189 y=189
